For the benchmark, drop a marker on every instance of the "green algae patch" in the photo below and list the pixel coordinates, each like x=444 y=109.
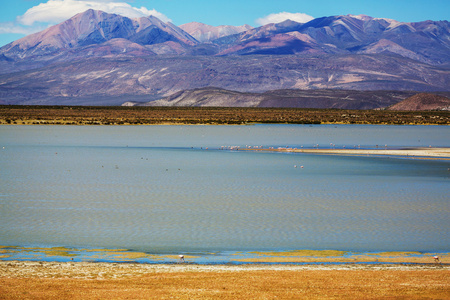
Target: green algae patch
x=104 y=250
x=119 y=254
x=9 y=247
x=58 y=251
x=55 y=251
x=132 y=255
x=316 y=253
x=12 y=249
x=37 y=249
x=296 y=256
x=396 y=253
x=296 y=259
x=178 y=257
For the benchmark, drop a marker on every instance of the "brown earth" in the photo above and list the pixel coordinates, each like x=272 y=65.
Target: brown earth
x=423 y=101
x=41 y=280
x=114 y=115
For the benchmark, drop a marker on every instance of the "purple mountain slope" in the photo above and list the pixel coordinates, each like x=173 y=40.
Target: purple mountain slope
x=95 y=28
x=427 y=41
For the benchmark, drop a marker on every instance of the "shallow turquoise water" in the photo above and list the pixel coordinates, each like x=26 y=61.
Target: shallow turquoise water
x=163 y=189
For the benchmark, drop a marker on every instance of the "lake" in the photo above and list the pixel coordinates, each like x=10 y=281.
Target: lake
x=166 y=189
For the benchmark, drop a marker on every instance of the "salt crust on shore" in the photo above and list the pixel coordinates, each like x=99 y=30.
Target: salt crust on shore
x=441 y=153
x=29 y=269
x=421 y=152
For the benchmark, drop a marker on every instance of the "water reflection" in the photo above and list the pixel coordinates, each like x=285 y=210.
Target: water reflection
x=157 y=189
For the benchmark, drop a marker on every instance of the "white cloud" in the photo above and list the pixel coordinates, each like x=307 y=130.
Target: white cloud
x=283 y=16
x=56 y=11
x=11 y=27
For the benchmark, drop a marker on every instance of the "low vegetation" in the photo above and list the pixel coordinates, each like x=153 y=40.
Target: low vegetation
x=118 y=115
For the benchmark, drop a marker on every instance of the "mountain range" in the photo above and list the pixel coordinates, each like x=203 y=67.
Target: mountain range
x=96 y=58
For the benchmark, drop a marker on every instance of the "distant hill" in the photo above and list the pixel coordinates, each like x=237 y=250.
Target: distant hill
x=341 y=99
x=423 y=101
x=96 y=58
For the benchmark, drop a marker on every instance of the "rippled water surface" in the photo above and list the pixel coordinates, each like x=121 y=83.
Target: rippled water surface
x=172 y=188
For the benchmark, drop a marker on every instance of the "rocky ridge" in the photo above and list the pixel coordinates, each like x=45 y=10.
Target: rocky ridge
x=341 y=99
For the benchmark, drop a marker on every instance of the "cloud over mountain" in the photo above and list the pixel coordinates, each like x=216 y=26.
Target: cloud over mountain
x=206 y=33
x=55 y=11
x=12 y=27
x=283 y=16
x=52 y=12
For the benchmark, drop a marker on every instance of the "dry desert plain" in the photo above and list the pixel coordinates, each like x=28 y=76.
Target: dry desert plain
x=84 y=280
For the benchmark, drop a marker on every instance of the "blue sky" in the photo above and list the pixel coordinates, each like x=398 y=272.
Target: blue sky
x=21 y=17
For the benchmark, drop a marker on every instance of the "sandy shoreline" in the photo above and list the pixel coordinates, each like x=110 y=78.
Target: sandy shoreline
x=101 y=270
